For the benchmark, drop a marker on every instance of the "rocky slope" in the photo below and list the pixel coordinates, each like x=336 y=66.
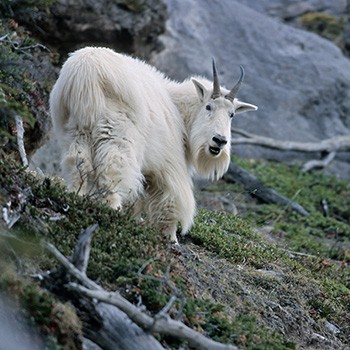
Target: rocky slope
x=273 y=280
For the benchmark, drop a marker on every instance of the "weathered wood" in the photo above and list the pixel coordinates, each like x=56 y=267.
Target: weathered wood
x=81 y=254
x=337 y=143
x=118 y=331
x=257 y=189
x=112 y=322
x=162 y=324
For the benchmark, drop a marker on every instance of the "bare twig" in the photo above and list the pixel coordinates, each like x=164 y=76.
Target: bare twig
x=20 y=135
x=165 y=280
x=337 y=143
x=312 y=164
x=291 y=252
x=165 y=310
x=82 y=249
x=18 y=46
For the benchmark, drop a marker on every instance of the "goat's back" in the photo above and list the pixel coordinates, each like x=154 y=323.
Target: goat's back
x=92 y=79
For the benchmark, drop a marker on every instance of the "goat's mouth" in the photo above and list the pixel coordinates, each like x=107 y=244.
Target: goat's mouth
x=215 y=151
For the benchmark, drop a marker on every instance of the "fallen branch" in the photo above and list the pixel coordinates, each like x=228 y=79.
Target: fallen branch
x=337 y=143
x=104 y=324
x=129 y=316
x=312 y=164
x=162 y=324
x=70 y=267
x=257 y=189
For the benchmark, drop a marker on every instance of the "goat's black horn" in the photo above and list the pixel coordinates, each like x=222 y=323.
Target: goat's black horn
x=232 y=94
x=216 y=83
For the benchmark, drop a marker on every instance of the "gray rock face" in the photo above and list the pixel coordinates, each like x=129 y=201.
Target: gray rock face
x=330 y=19
x=128 y=26
x=300 y=81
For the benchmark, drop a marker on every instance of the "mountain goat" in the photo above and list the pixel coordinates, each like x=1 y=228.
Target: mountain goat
x=130 y=135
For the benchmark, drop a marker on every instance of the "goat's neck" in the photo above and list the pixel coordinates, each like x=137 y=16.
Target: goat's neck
x=185 y=97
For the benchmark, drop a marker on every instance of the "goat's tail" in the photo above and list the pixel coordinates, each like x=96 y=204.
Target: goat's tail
x=78 y=96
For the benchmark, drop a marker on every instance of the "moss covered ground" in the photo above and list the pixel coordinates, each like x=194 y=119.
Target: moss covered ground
x=233 y=283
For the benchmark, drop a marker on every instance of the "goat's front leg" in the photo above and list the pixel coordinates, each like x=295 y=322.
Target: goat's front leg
x=160 y=210
x=170 y=231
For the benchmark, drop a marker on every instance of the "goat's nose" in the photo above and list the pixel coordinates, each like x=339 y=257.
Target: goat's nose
x=220 y=140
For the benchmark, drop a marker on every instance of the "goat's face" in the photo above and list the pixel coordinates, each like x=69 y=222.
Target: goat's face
x=210 y=135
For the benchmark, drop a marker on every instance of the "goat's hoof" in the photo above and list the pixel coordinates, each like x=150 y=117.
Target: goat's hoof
x=174 y=242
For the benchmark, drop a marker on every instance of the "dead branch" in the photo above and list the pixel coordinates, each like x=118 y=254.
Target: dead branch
x=82 y=250
x=257 y=189
x=20 y=135
x=104 y=324
x=16 y=45
x=70 y=267
x=9 y=216
x=117 y=324
x=337 y=143
x=162 y=324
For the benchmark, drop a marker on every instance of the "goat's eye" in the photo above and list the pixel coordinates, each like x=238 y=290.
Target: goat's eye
x=232 y=114
x=208 y=107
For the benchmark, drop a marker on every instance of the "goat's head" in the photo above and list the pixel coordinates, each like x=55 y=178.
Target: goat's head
x=210 y=136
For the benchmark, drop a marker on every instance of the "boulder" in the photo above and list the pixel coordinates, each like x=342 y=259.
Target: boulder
x=329 y=19
x=290 y=9
x=300 y=81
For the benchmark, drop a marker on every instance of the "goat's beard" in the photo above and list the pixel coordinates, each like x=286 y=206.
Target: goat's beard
x=212 y=167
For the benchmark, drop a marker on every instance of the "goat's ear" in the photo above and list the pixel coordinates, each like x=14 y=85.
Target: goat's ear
x=200 y=88
x=244 y=107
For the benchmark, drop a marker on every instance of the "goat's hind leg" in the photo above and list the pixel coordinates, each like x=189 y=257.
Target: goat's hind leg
x=77 y=164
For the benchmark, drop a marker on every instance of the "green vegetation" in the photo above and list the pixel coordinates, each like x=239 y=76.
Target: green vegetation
x=20 y=92
x=23 y=7
x=324 y=24
x=315 y=248
x=323 y=234
x=247 y=264
x=232 y=237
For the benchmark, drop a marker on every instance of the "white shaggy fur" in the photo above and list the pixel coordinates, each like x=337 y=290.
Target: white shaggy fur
x=131 y=136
